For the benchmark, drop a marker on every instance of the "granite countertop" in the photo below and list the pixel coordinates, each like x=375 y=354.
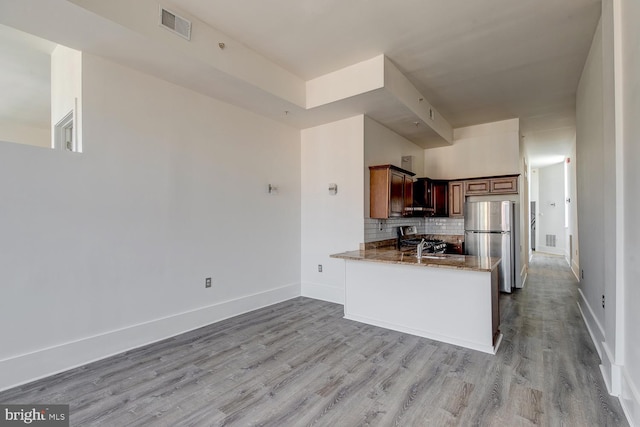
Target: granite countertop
x=394 y=256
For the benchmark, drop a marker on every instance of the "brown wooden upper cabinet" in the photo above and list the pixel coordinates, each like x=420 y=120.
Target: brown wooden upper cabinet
x=430 y=197
x=496 y=185
x=507 y=184
x=477 y=186
x=456 y=198
x=391 y=192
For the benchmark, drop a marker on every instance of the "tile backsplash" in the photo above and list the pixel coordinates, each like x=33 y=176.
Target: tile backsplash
x=383 y=229
x=444 y=226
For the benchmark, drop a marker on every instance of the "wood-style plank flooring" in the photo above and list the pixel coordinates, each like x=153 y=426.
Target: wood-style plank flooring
x=300 y=363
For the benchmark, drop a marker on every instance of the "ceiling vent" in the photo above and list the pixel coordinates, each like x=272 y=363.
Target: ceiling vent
x=175 y=23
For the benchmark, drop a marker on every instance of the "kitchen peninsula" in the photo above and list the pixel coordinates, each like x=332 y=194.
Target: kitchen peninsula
x=449 y=298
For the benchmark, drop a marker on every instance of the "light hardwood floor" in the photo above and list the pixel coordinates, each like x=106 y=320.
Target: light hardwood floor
x=299 y=363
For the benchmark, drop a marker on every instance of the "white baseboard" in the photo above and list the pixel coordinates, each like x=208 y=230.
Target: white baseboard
x=593 y=325
x=616 y=378
x=32 y=366
x=630 y=399
x=611 y=371
x=523 y=277
x=323 y=292
x=575 y=268
x=550 y=250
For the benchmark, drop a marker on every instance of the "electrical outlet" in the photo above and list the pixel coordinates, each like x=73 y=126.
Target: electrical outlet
x=602 y=301
x=319 y=268
x=207 y=282
x=582 y=273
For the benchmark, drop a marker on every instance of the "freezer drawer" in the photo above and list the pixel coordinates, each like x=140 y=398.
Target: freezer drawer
x=495 y=244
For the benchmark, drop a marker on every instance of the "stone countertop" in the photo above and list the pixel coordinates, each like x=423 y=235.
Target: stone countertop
x=394 y=256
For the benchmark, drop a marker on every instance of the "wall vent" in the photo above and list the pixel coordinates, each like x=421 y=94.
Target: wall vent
x=175 y=23
x=551 y=240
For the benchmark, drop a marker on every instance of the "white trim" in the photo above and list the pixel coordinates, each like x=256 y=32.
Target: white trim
x=550 y=250
x=523 y=277
x=575 y=268
x=616 y=357
x=630 y=399
x=605 y=377
x=592 y=323
x=612 y=372
x=60 y=132
x=323 y=292
x=32 y=366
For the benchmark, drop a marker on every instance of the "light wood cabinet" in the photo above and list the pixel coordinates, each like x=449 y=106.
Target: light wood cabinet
x=456 y=198
x=508 y=184
x=391 y=192
x=497 y=185
x=477 y=186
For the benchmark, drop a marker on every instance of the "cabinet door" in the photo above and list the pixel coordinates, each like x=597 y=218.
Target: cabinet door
x=504 y=185
x=456 y=198
x=407 y=196
x=455 y=248
x=379 y=193
x=478 y=186
x=440 y=198
x=390 y=192
x=428 y=195
x=420 y=193
x=396 y=195
x=422 y=197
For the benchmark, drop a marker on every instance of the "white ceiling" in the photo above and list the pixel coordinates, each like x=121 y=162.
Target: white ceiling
x=475 y=61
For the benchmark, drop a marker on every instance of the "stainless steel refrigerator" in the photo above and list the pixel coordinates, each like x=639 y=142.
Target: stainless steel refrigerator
x=489 y=229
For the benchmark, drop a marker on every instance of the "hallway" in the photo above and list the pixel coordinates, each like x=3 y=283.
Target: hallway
x=548 y=348
x=300 y=363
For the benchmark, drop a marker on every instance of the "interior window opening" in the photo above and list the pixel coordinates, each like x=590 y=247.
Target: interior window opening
x=64 y=130
x=40 y=82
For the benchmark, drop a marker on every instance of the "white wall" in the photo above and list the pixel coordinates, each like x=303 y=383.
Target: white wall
x=331 y=153
x=534 y=196
x=12 y=131
x=605 y=144
x=611 y=360
x=346 y=82
x=608 y=104
x=66 y=89
x=574 y=258
x=382 y=146
x=551 y=208
x=108 y=250
x=630 y=69
x=488 y=149
x=591 y=189
x=481 y=150
x=523 y=212
x=341 y=152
